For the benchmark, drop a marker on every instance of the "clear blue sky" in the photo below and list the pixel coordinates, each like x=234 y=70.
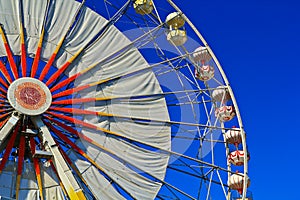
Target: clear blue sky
x=258 y=45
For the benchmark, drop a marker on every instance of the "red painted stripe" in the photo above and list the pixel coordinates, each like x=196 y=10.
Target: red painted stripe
x=2 y=90
x=5 y=72
x=5 y=106
x=57 y=175
x=74 y=111
x=23 y=60
x=37 y=166
x=32 y=145
x=65 y=82
x=4 y=110
x=47 y=67
x=64 y=126
x=70 y=130
x=9 y=147
x=35 y=160
x=21 y=154
x=72 y=120
x=3 y=83
x=11 y=61
x=55 y=171
x=53 y=168
x=3 y=122
x=4 y=115
x=70 y=91
x=73 y=101
x=4 y=101
x=58 y=73
x=35 y=63
x=66 y=157
x=65 y=138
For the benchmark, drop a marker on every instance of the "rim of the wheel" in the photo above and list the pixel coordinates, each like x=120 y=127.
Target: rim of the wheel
x=120 y=100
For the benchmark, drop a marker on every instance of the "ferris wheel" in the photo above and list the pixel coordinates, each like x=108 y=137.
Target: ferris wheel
x=114 y=99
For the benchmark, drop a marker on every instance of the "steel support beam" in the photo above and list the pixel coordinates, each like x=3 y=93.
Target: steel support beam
x=64 y=172
x=7 y=128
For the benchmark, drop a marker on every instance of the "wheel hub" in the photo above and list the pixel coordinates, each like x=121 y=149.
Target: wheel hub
x=29 y=96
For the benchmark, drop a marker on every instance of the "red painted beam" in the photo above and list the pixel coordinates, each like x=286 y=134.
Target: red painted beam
x=9 y=147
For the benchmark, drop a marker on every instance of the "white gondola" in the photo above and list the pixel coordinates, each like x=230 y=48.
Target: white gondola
x=237 y=157
x=221 y=94
x=176 y=34
x=236 y=182
x=177 y=37
x=201 y=55
x=225 y=113
x=233 y=136
x=205 y=73
x=175 y=20
x=143 y=7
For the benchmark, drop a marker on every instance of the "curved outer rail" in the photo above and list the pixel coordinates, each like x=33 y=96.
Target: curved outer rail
x=239 y=118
